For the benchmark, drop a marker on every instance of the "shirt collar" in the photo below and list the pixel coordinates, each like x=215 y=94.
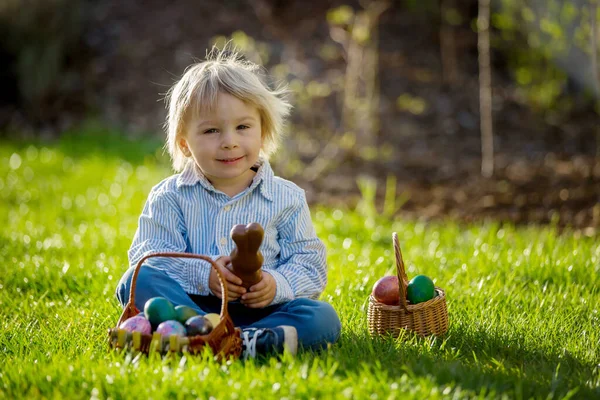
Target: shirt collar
x=191 y=175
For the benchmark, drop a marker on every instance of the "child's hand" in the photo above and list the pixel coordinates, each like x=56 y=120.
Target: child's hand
x=261 y=294
x=233 y=283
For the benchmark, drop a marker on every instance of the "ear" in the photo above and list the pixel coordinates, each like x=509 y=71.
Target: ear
x=184 y=147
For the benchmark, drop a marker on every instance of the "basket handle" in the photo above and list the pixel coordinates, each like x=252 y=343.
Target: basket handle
x=130 y=309
x=402 y=278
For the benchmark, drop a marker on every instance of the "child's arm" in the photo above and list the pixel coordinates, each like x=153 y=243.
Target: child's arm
x=161 y=228
x=302 y=269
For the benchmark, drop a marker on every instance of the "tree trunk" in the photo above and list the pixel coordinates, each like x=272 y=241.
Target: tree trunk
x=485 y=89
x=361 y=92
x=359 y=116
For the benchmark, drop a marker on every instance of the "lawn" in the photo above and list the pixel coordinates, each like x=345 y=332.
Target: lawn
x=522 y=301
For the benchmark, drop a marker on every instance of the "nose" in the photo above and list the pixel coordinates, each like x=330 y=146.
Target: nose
x=228 y=139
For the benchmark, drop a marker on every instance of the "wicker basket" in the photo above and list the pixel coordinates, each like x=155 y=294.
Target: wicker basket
x=224 y=339
x=427 y=318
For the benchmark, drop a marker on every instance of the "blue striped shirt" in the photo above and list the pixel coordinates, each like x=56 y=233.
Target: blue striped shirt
x=185 y=213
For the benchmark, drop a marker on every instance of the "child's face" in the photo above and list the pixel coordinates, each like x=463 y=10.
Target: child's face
x=225 y=143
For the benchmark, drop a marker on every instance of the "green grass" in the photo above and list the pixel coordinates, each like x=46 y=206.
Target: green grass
x=523 y=301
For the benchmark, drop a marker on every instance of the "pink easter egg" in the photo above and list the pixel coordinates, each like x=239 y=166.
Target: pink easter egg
x=171 y=327
x=137 y=324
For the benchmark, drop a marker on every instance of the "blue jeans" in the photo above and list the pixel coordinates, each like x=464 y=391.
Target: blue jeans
x=317 y=322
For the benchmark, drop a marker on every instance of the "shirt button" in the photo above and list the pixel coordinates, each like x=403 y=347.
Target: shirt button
x=223 y=241
x=227 y=208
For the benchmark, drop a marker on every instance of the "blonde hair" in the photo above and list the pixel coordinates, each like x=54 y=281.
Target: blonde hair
x=197 y=90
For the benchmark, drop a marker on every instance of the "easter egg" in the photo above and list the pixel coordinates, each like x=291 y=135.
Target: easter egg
x=213 y=318
x=420 y=289
x=171 y=327
x=159 y=309
x=137 y=324
x=386 y=290
x=198 y=325
x=183 y=313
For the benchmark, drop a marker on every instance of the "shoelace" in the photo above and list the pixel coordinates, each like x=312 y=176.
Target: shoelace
x=250 y=343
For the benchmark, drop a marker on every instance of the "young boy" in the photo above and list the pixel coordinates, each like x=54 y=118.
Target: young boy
x=223 y=123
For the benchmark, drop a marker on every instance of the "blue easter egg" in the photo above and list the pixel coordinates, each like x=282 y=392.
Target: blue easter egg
x=171 y=327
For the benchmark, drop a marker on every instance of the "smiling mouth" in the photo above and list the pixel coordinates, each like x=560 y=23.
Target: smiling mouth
x=229 y=160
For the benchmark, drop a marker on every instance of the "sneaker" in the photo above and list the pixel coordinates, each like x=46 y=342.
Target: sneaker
x=269 y=341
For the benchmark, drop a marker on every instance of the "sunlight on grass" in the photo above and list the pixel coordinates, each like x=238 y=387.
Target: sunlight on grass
x=522 y=301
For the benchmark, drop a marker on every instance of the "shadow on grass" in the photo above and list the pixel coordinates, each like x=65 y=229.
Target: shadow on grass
x=471 y=360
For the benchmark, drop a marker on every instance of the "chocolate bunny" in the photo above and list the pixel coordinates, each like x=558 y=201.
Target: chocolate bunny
x=246 y=259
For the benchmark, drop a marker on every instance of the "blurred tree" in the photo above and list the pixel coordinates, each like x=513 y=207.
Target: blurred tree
x=357 y=33
x=361 y=93
x=546 y=44
x=485 y=89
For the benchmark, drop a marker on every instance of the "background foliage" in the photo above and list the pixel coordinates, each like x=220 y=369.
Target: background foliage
x=51 y=50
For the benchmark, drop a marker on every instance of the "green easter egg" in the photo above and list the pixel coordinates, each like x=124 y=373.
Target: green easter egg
x=159 y=309
x=420 y=289
x=183 y=313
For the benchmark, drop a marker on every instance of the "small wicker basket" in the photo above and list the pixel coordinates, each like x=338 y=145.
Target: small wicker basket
x=224 y=339
x=427 y=318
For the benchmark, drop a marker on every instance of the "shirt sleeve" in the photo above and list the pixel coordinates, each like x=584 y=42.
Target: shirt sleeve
x=302 y=268
x=161 y=228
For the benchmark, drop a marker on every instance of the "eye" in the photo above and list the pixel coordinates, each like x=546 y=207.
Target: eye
x=211 y=130
x=243 y=127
